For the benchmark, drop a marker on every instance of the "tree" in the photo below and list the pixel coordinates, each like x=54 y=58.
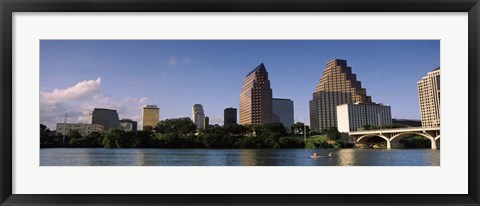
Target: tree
x=333 y=133
x=182 y=126
x=111 y=137
x=74 y=138
x=298 y=128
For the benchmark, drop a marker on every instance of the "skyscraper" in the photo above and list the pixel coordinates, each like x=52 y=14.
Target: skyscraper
x=229 y=116
x=207 y=122
x=283 y=111
x=150 y=115
x=108 y=118
x=338 y=85
x=256 y=97
x=198 y=116
x=429 y=96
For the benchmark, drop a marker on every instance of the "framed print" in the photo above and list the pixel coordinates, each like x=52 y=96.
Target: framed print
x=249 y=103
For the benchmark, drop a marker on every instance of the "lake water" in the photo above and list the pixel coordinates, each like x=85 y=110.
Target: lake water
x=236 y=157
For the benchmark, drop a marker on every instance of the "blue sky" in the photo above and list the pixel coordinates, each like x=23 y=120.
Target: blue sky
x=78 y=75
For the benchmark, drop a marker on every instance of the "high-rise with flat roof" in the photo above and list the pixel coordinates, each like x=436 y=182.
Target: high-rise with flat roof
x=150 y=115
x=256 y=97
x=207 y=122
x=429 y=96
x=229 y=116
x=338 y=85
x=108 y=118
x=354 y=117
x=198 y=116
x=283 y=111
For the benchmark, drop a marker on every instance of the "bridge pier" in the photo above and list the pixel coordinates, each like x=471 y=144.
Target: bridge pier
x=389 y=144
x=434 y=143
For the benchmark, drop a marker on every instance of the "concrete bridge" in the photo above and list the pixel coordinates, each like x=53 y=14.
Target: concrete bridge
x=393 y=135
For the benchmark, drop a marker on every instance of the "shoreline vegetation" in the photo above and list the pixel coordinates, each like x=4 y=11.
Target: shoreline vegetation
x=182 y=133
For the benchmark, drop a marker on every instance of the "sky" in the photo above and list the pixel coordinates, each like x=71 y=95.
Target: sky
x=79 y=75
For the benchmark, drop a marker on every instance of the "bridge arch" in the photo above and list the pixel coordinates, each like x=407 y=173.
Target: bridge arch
x=373 y=135
x=376 y=135
x=432 y=139
x=437 y=137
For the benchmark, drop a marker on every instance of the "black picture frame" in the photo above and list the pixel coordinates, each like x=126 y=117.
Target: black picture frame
x=7 y=7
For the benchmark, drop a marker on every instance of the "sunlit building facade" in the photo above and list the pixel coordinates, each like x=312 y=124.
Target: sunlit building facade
x=338 y=85
x=150 y=115
x=354 y=117
x=429 y=96
x=198 y=116
x=256 y=97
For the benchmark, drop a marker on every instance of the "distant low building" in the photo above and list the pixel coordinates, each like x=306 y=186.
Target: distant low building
x=354 y=117
x=128 y=125
x=83 y=129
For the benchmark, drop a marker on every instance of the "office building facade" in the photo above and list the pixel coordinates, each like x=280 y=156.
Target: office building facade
x=108 y=118
x=83 y=129
x=256 y=97
x=338 y=85
x=283 y=111
x=207 y=122
x=429 y=96
x=198 y=116
x=229 y=116
x=150 y=115
x=128 y=125
x=354 y=117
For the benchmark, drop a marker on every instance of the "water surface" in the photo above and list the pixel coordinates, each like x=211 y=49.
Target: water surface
x=236 y=157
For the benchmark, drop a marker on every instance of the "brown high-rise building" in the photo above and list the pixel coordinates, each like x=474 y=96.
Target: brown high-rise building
x=256 y=97
x=429 y=96
x=338 y=85
x=150 y=115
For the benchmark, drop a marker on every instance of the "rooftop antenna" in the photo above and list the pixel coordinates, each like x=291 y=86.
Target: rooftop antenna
x=64 y=127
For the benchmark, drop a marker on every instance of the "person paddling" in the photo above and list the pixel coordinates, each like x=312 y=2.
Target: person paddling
x=330 y=155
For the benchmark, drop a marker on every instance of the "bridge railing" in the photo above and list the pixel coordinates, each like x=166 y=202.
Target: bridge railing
x=395 y=129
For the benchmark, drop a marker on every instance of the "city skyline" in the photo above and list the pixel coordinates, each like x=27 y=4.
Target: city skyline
x=126 y=75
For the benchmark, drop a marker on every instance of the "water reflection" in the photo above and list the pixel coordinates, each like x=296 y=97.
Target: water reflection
x=237 y=157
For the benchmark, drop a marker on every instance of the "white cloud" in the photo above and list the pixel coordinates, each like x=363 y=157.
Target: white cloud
x=79 y=91
x=172 y=60
x=215 y=120
x=77 y=101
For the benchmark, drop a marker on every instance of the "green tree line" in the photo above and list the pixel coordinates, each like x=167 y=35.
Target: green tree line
x=182 y=133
